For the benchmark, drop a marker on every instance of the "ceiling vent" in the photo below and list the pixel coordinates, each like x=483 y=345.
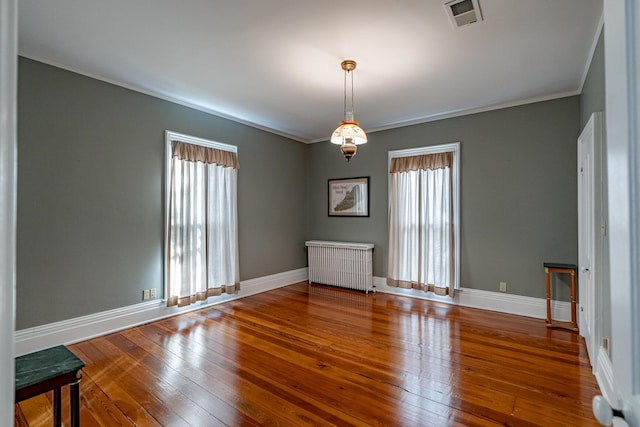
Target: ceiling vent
x=463 y=12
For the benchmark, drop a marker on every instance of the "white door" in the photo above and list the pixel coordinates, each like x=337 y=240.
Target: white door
x=586 y=235
x=622 y=74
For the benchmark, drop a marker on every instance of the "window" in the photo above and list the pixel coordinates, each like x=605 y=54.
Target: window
x=424 y=219
x=201 y=245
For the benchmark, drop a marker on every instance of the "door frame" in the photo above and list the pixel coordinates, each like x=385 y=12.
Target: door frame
x=622 y=81
x=8 y=193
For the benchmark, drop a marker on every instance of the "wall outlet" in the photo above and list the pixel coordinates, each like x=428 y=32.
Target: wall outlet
x=152 y=293
x=145 y=295
x=503 y=286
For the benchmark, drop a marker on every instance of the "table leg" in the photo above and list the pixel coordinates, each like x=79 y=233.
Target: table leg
x=74 y=404
x=573 y=300
x=548 y=296
x=57 y=406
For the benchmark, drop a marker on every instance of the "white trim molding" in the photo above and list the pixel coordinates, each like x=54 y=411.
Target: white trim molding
x=169 y=138
x=603 y=371
x=166 y=97
x=97 y=324
x=454 y=148
x=8 y=194
x=465 y=112
x=487 y=300
x=592 y=51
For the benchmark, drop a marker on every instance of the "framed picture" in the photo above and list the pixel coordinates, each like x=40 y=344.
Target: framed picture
x=349 y=197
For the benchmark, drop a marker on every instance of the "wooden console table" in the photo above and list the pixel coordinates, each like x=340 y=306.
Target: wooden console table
x=47 y=370
x=550 y=267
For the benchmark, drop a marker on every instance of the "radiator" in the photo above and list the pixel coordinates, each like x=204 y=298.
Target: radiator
x=344 y=264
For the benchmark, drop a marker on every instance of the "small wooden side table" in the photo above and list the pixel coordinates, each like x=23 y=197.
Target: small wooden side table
x=47 y=370
x=571 y=269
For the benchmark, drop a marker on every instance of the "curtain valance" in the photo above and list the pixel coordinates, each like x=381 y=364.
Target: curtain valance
x=421 y=162
x=206 y=155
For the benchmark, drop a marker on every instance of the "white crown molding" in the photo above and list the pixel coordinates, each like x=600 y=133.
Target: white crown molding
x=420 y=120
x=465 y=112
x=93 y=325
x=487 y=300
x=592 y=52
x=173 y=99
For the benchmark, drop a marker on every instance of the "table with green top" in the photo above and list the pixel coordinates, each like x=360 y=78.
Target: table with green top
x=48 y=370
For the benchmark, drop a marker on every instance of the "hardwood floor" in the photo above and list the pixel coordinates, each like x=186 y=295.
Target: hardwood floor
x=313 y=355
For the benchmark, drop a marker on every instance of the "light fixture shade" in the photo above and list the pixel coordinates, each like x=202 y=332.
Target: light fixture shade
x=348 y=131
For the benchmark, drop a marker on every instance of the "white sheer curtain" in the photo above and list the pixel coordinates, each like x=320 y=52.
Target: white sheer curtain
x=421 y=228
x=202 y=239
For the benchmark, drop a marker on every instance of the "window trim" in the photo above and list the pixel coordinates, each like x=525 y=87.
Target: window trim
x=171 y=136
x=454 y=148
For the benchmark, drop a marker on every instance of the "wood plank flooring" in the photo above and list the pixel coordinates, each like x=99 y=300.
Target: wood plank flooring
x=317 y=356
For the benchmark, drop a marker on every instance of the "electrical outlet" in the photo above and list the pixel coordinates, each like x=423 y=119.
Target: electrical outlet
x=152 y=293
x=503 y=286
x=145 y=295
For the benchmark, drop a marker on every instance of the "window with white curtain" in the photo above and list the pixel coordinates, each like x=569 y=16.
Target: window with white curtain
x=424 y=219
x=201 y=245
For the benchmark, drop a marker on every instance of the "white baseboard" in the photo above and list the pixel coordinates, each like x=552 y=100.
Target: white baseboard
x=487 y=300
x=93 y=325
x=604 y=376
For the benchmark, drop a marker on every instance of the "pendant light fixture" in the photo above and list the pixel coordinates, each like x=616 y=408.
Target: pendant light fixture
x=348 y=135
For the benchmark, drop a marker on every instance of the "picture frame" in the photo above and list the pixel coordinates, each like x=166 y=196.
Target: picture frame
x=349 y=197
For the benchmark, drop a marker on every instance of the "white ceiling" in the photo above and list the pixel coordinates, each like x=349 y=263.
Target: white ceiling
x=276 y=64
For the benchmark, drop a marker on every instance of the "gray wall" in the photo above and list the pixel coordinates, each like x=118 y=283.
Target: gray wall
x=518 y=191
x=90 y=213
x=592 y=99
x=90 y=194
